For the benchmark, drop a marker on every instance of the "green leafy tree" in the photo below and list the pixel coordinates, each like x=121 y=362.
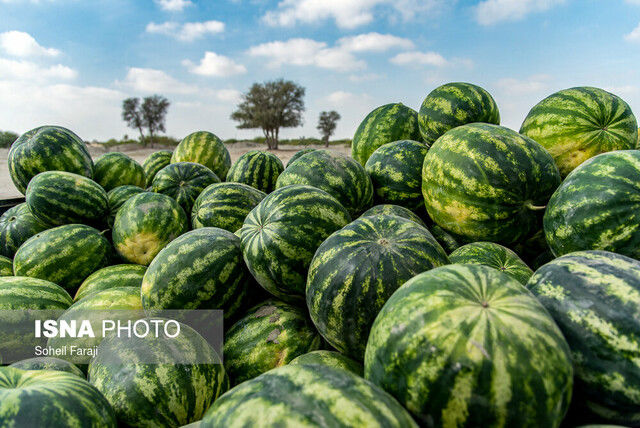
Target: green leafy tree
x=7 y=138
x=327 y=124
x=150 y=114
x=270 y=106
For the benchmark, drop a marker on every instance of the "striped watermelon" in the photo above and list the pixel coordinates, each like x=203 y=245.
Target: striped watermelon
x=183 y=181
x=48 y=398
x=145 y=224
x=204 y=148
x=495 y=256
x=225 y=205
x=112 y=170
x=163 y=394
x=6 y=266
x=119 y=196
x=307 y=396
x=389 y=209
x=466 y=345
x=396 y=172
x=455 y=104
x=17 y=225
x=331 y=359
x=268 y=336
x=281 y=234
x=578 y=123
x=594 y=296
x=48 y=363
x=64 y=255
x=297 y=154
x=258 y=169
x=22 y=293
x=448 y=241
x=385 y=124
x=358 y=268
x=47 y=148
x=154 y=163
x=597 y=207
x=336 y=174
x=202 y=269
x=488 y=183
x=124 y=275
x=60 y=197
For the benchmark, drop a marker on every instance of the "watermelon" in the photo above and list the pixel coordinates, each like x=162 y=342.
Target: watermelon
x=48 y=363
x=467 y=345
x=336 y=174
x=331 y=359
x=146 y=387
x=60 y=197
x=47 y=148
x=145 y=224
x=64 y=255
x=281 y=234
x=488 y=183
x=578 y=123
x=594 y=297
x=455 y=104
x=119 y=196
x=124 y=275
x=299 y=153
x=448 y=241
x=154 y=163
x=6 y=266
x=268 y=336
x=17 y=225
x=202 y=269
x=495 y=256
x=258 y=169
x=22 y=293
x=48 y=398
x=385 y=124
x=307 y=396
x=597 y=207
x=225 y=205
x=389 y=209
x=204 y=148
x=112 y=170
x=183 y=181
x=358 y=268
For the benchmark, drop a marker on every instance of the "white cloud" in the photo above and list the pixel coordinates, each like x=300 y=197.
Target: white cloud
x=216 y=65
x=489 y=12
x=420 y=58
x=30 y=71
x=186 y=32
x=374 y=42
x=518 y=87
x=229 y=95
x=149 y=80
x=634 y=35
x=173 y=5
x=21 y=44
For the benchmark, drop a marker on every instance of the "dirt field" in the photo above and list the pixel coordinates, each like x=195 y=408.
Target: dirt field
x=8 y=190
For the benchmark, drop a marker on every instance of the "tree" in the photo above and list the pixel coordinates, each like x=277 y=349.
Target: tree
x=150 y=114
x=7 y=138
x=327 y=124
x=132 y=114
x=270 y=106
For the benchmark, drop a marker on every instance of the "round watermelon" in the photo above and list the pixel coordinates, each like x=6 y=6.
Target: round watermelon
x=119 y=196
x=145 y=224
x=23 y=293
x=396 y=173
x=578 y=123
x=183 y=181
x=268 y=336
x=389 y=209
x=47 y=148
x=495 y=256
x=307 y=396
x=281 y=234
x=466 y=345
x=299 y=153
x=330 y=359
x=6 y=266
x=48 y=363
x=64 y=255
x=358 y=268
x=225 y=205
x=258 y=169
x=204 y=148
x=594 y=297
x=48 y=398
x=124 y=275
x=336 y=174
x=455 y=104
x=597 y=207
x=385 y=124
x=488 y=183
x=154 y=163
x=60 y=197
x=17 y=225
x=117 y=169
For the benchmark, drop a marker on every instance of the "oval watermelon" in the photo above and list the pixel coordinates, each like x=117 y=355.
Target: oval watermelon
x=124 y=275
x=22 y=293
x=48 y=363
x=258 y=169
x=466 y=345
x=6 y=266
x=119 y=196
x=17 y=225
x=206 y=149
x=154 y=163
x=115 y=169
x=183 y=181
x=299 y=153
x=495 y=256
x=330 y=359
x=390 y=209
x=225 y=205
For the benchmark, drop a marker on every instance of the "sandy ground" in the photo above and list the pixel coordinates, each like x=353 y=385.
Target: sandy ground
x=8 y=190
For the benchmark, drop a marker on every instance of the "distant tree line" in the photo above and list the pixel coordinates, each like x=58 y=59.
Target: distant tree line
x=7 y=138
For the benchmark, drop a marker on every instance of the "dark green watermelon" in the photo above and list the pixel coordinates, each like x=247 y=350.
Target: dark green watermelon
x=119 y=196
x=124 y=275
x=390 y=209
x=495 y=256
x=112 y=170
x=258 y=169
x=298 y=154
x=6 y=266
x=48 y=363
x=17 y=225
x=154 y=163
x=225 y=205
x=183 y=181
x=206 y=149
x=331 y=359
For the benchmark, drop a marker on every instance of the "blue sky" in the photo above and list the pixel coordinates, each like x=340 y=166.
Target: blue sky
x=72 y=62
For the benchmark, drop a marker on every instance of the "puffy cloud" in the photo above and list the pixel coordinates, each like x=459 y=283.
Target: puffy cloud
x=149 y=80
x=27 y=70
x=634 y=35
x=489 y=12
x=420 y=58
x=186 y=32
x=173 y=5
x=21 y=44
x=374 y=42
x=216 y=65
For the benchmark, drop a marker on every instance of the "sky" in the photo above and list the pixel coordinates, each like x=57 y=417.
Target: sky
x=73 y=62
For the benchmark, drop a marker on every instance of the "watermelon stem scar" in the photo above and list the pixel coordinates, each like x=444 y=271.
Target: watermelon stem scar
x=529 y=205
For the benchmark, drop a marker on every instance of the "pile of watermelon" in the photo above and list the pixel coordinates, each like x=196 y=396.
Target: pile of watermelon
x=452 y=273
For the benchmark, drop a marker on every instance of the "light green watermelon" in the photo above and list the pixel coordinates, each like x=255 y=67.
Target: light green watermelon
x=204 y=148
